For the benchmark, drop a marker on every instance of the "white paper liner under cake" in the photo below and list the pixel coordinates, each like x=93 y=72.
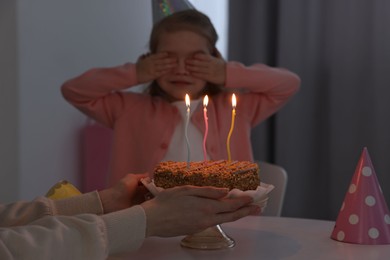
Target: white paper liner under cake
x=260 y=195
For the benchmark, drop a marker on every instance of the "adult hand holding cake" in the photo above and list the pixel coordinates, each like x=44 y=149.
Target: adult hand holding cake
x=189 y=209
x=240 y=177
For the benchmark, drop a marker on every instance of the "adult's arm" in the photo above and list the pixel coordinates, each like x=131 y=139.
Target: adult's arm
x=85 y=236
x=23 y=212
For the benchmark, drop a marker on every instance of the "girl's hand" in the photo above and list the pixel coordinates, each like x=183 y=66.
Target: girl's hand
x=152 y=66
x=209 y=68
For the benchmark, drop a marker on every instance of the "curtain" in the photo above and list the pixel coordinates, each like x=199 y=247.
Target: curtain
x=341 y=51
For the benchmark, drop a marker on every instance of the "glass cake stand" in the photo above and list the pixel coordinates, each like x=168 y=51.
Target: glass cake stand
x=208 y=239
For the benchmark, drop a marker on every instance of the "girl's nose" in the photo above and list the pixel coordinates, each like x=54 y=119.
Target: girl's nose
x=181 y=67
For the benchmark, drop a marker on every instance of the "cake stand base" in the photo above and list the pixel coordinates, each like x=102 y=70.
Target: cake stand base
x=209 y=239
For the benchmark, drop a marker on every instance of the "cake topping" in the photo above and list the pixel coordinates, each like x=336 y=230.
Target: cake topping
x=230 y=174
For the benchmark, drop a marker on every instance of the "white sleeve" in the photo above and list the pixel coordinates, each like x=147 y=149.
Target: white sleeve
x=24 y=212
x=85 y=236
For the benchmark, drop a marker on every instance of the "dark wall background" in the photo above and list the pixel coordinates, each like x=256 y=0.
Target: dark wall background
x=341 y=51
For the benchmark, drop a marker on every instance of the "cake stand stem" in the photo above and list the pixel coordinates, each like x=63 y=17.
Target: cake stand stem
x=210 y=238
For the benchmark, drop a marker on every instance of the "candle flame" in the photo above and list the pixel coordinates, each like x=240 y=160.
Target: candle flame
x=234 y=101
x=187 y=100
x=205 y=101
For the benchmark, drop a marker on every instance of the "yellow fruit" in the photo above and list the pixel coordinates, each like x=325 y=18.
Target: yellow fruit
x=61 y=190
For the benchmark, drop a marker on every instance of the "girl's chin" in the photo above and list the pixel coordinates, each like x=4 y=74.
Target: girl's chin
x=182 y=97
x=180 y=93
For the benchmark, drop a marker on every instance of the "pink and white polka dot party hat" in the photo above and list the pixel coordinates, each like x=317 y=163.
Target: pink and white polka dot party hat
x=364 y=217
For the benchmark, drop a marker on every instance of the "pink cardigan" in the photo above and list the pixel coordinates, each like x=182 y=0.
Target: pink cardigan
x=143 y=125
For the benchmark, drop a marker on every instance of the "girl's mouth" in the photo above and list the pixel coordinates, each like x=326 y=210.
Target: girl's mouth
x=186 y=83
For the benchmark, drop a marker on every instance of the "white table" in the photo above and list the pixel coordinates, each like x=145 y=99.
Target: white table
x=268 y=238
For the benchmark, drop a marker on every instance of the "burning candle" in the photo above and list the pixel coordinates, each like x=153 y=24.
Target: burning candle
x=187 y=99
x=234 y=103
x=206 y=124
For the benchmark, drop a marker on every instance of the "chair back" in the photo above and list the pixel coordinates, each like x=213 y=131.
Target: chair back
x=277 y=176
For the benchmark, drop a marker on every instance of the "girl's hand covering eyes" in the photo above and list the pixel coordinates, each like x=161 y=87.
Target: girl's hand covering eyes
x=152 y=66
x=208 y=68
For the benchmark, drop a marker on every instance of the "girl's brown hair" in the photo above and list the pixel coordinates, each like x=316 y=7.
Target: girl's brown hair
x=188 y=20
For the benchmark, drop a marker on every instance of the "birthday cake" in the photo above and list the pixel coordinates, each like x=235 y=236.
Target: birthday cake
x=242 y=175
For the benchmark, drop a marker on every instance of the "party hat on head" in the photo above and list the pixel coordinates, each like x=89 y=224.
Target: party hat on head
x=163 y=8
x=364 y=217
